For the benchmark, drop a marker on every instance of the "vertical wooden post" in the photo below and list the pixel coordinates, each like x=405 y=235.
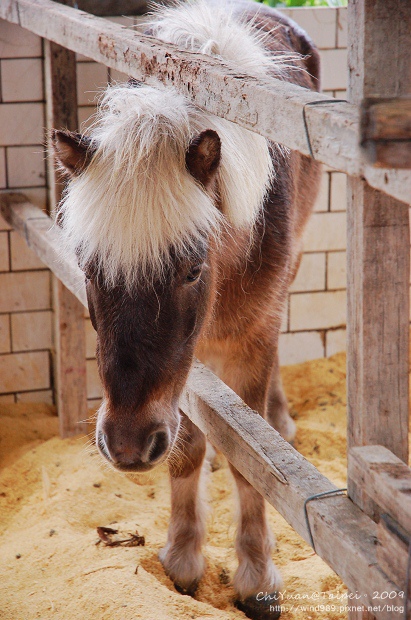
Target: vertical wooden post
x=69 y=332
x=378 y=257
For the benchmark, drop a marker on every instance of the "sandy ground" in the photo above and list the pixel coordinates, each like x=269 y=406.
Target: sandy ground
x=55 y=493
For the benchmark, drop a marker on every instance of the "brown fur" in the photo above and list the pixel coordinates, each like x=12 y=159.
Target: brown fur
x=223 y=303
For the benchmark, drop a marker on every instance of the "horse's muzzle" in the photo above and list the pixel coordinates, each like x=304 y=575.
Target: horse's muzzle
x=135 y=456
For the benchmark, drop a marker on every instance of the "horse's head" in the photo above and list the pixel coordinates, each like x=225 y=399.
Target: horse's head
x=144 y=211
x=147 y=320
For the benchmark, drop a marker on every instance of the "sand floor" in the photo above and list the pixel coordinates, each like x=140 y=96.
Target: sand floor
x=54 y=494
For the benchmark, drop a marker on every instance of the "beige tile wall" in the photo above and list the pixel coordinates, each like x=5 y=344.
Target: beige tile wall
x=316 y=310
x=314 y=323
x=25 y=304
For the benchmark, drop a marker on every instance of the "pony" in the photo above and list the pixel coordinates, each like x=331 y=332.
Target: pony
x=188 y=229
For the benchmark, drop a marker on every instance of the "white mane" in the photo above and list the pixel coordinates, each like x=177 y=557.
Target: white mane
x=136 y=198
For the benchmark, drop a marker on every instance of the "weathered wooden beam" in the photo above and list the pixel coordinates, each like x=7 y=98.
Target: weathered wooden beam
x=386 y=479
x=105 y=8
x=386 y=131
x=60 y=76
x=344 y=537
x=278 y=110
x=69 y=352
x=377 y=252
x=43 y=236
x=392 y=550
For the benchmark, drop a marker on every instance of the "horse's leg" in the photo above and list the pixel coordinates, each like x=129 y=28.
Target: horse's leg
x=256 y=573
x=181 y=557
x=277 y=407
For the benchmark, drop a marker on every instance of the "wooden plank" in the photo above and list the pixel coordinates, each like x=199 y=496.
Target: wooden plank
x=44 y=238
x=386 y=131
x=392 y=550
x=69 y=329
x=387 y=118
x=109 y=8
x=344 y=536
x=61 y=105
x=216 y=86
x=378 y=319
x=377 y=251
x=386 y=478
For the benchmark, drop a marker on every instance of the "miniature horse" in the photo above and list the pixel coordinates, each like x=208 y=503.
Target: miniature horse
x=188 y=229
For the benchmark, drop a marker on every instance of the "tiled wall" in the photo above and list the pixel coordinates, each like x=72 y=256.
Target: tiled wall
x=25 y=306
x=314 y=324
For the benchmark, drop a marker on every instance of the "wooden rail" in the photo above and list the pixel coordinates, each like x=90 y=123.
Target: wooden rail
x=109 y=7
x=344 y=536
x=277 y=110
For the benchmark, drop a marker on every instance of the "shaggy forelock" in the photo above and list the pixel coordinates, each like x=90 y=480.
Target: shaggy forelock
x=136 y=200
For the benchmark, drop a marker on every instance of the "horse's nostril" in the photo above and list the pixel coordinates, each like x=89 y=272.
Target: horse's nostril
x=157 y=445
x=134 y=452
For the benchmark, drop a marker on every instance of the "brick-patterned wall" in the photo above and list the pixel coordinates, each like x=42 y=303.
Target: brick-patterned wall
x=25 y=305
x=314 y=324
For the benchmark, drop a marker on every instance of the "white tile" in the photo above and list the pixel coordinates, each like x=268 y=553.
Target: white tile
x=26 y=166
x=334 y=71
x=320 y=23
x=24 y=371
x=21 y=123
x=31 y=331
x=27 y=290
x=325 y=232
x=317 y=310
x=336 y=270
x=22 y=79
x=340 y=94
x=118 y=77
x=338 y=193
x=300 y=347
x=342 y=27
x=335 y=341
x=86 y=116
x=322 y=201
x=91 y=79
x=16 y=42
x=311 y=274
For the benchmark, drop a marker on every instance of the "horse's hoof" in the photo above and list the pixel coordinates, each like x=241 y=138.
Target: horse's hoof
x=260 y=609
x=190 y=590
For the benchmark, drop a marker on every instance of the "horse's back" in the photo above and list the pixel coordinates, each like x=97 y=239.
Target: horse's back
x=282 y=34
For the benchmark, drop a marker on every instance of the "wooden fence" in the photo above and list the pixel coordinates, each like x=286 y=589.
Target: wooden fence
x=369 y=557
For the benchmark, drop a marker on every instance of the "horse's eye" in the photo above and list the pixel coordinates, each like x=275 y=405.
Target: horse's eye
x=194 y=274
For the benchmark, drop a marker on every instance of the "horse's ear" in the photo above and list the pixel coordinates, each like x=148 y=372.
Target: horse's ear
x=203 y=156
x=73 y=151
